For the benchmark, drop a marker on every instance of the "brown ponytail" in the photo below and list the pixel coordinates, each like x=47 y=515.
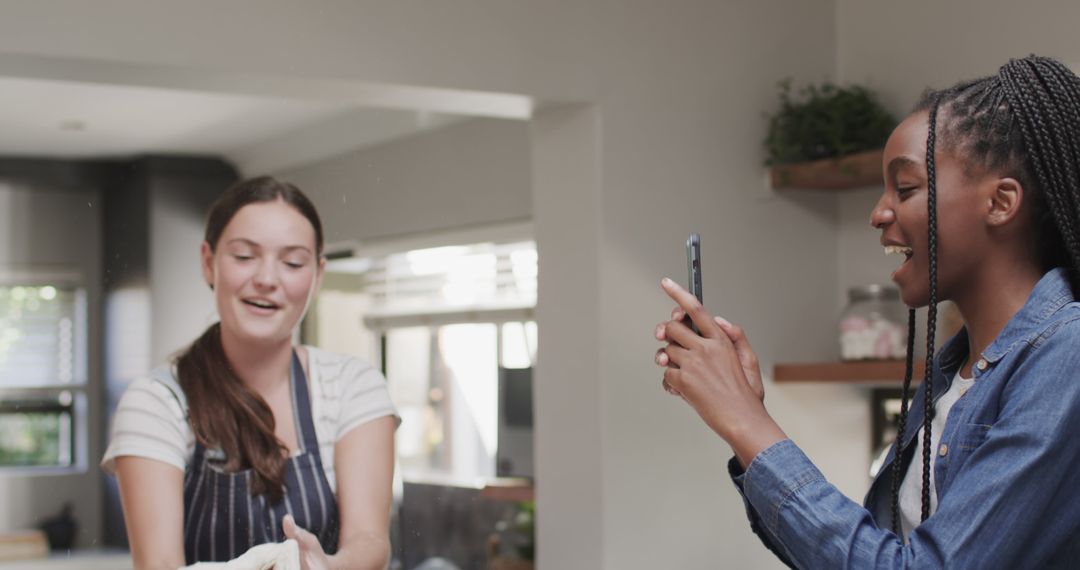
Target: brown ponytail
x=223 y=412
x=227 y=414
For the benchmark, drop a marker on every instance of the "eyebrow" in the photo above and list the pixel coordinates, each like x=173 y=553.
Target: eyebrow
x=901 y=162
x=288 y=248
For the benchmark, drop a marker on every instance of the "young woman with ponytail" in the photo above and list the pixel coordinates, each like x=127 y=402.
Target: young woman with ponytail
x=246 y=438
x=982 y=200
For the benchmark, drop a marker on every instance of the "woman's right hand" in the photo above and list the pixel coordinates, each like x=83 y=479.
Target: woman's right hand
x=312 y=556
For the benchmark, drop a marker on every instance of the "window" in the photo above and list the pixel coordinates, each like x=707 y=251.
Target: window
x=448 y=283
x=446 y=323
x=445 y=381
x=43 y=373
x=37 y=432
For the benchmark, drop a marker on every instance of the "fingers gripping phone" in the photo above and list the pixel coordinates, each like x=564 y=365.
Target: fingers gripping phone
x=693 y=267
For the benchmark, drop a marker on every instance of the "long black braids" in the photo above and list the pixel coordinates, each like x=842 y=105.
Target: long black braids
x=931 y=310
x=931 y=324
x=1022 y=123
x=1045 y=92
x=897 y=476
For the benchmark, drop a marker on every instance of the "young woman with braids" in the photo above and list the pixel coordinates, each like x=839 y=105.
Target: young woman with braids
x=982 y=199
x=245 y=438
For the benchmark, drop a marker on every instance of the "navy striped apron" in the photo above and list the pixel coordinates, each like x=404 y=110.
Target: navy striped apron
x=221 y=518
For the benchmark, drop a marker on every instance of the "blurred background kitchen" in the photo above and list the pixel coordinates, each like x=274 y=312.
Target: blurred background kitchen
x=503 y=185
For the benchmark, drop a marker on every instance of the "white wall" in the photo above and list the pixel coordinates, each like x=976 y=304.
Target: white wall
x=528 y=48
x=181 y=304
x=45 y=227
x=681 y=144
x=956 y=40
x=469 y=173
x=569 y=454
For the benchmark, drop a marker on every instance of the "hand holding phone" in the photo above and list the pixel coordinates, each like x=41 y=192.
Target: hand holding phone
x=693 y=268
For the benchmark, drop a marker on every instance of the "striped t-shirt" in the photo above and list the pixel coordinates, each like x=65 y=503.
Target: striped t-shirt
x=151 y=418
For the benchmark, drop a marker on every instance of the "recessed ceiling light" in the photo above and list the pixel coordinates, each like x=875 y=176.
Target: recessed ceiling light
x=72 y=125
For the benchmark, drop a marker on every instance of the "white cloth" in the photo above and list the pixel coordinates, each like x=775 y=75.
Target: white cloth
x=269 y=556
x=151 y=418
x=911 y=487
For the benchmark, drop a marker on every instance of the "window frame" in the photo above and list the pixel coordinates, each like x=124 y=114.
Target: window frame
x=15 y=398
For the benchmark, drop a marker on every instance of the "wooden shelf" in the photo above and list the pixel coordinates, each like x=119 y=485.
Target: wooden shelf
x=856 y=372
x=857 y=170
x=509 y=489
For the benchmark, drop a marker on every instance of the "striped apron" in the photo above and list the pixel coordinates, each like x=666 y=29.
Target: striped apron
x=221 y=518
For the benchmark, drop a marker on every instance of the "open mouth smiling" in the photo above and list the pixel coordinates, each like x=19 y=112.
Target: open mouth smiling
x=261 y=304
x=899 y=250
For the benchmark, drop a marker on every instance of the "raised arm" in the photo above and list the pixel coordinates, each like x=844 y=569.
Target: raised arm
x=1020 y=472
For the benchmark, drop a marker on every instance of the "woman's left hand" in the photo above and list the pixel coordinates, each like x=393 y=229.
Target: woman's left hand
x=717 y=373
x=747 y=357
x=312 y=556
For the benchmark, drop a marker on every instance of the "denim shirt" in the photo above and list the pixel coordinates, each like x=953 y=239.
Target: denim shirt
x=1007 y=469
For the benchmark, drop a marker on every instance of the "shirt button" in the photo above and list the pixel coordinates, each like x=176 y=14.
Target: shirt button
x=981 y=364
x=943 y=450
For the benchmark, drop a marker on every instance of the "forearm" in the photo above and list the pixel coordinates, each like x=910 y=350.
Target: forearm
x=814 y=524
x=151 y=497
x=151 y=553
x=144 y=563
x=736 y=471
x=363 y=551
x=749 y=431
x=365 y=472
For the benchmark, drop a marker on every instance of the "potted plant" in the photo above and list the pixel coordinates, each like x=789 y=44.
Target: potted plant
x=830 y=137
x=513 y=545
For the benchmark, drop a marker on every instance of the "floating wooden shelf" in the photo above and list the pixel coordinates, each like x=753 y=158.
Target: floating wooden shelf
x=857 y=170
x=509 y=489
x=856 y=372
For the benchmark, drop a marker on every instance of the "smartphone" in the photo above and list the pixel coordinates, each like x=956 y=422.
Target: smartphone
x=693 y=268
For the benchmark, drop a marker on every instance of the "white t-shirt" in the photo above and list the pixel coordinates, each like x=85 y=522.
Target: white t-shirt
x=151 y=418
x=911 y=487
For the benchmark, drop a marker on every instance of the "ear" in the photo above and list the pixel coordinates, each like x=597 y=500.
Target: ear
x=206 y=256
x=1004 y=201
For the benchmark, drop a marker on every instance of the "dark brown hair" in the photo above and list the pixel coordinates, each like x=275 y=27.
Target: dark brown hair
x=1022 y=123
x=223 y=411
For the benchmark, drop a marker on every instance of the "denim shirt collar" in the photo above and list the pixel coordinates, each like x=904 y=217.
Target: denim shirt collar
x=1050 y=294
x=952 y=354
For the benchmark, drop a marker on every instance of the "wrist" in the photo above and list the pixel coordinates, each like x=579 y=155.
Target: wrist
x=752 y=435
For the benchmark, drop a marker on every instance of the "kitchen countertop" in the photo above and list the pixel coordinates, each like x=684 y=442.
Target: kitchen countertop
x=90 y=559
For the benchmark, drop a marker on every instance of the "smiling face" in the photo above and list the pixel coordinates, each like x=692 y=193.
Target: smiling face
x=901 y=214
x=264 y=271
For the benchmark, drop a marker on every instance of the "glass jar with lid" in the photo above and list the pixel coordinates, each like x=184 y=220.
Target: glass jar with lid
x=873 y=325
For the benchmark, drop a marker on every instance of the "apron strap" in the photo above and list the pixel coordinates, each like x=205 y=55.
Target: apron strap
x=309 y=440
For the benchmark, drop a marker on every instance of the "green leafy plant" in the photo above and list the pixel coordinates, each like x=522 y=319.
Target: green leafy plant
x=825 y=121
x=525 y=525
